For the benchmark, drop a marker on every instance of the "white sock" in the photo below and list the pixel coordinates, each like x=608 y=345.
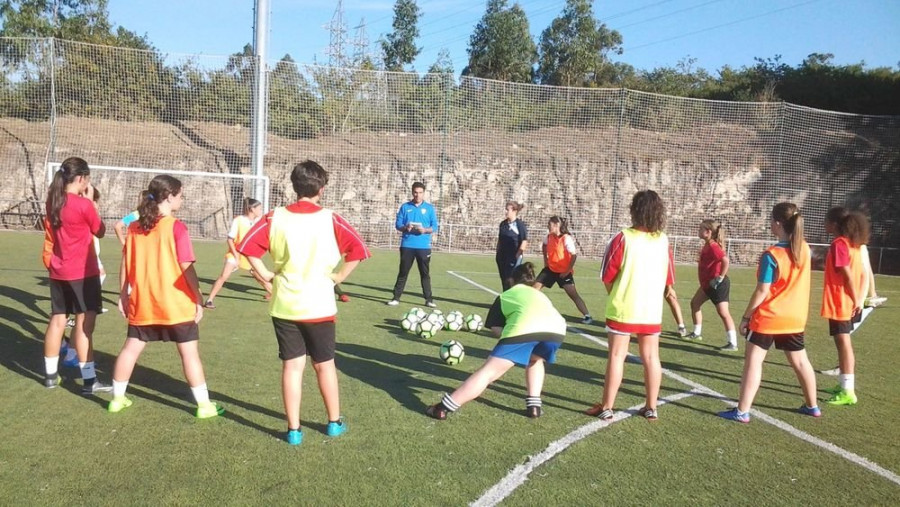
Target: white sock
x=119 y=388
x=847 y=382
x=102 y=277
x=51 y=365
x=71 y=354
x=732 y=336
x=87 y=370
x=201 y=394
x=697 y=329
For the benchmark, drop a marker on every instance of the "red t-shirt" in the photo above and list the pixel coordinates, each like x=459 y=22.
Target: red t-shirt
x=710 y=265
x=350 y=244
x=73 y=242
x=840 y=254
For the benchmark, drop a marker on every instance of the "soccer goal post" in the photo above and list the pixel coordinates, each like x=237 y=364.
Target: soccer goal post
x=212 y=200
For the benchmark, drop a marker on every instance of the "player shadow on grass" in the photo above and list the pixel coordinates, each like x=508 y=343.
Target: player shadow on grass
x=23 y=355
x=231 y=288
x=407 y=295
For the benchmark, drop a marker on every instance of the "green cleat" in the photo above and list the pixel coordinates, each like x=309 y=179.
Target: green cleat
x=833 y=390
x=843 y=397
x=208 y=410
x=118 y=404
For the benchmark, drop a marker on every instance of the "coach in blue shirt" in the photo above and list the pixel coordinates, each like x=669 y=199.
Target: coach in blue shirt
x=417 y=221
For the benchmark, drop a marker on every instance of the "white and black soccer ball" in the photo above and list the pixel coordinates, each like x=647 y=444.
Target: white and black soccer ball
x=437 y=318
x=452 y=352
x=419 y=313
x=455 y=321
x=428 y=328
x=408 y=322
x=474 y=323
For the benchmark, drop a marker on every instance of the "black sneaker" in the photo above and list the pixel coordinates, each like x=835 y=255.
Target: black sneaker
x=534 y=412
x=52 y=381
x=436 y=412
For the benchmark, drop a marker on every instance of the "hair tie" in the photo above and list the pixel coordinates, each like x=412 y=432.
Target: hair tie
x=150 y=196
x=795 y=213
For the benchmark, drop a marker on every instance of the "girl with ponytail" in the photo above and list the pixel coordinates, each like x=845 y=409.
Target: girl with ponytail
x=159 y=293
x=712 y=271
x=777 y=311
x=560 y=255
x=241 y=224
x=74 y=271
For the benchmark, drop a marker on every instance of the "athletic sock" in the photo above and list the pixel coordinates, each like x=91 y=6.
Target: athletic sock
x=697 y=329
x=51 y=365
x=119 y=388
x=533 y=401
x=732 y=336
x=201 y=394
x=88 y=373
x=847 y=383
x=449 y=404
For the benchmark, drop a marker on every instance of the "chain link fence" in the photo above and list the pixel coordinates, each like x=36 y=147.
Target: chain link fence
x=580 y=153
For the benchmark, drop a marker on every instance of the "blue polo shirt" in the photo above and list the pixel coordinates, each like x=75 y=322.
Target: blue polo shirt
x=422 y=214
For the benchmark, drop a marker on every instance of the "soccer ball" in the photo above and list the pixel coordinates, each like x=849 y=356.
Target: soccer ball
x=455 y=321
x=452 y=352
x=419 y=313
x=408 y=322
x=474 y=322
x=438 y=318
x=428 y=328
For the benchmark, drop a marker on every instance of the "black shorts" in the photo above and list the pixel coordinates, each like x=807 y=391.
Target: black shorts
x=790 y=342
x=75 y=296
x=836 y=327
x=178 y=333
x=296 y=339
x=721 y=293
x=547 y=278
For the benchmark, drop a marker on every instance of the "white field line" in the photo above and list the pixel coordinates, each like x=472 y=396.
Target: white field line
x=698 y=388
x=518 y=475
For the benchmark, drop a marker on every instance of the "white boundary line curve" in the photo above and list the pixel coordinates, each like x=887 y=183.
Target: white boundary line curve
x=696 y=388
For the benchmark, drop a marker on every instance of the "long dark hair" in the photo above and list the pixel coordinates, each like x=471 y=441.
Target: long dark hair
x=159 y=189
x=855 y=227
x=788 y=215
x=648 y=211
x=563 y=224
x=70 y=169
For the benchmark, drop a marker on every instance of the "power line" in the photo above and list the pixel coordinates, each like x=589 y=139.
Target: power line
x=767 y=13
x=679 y=11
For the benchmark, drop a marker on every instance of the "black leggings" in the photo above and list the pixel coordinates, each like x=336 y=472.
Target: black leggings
x=506 y=267
x=422 y=257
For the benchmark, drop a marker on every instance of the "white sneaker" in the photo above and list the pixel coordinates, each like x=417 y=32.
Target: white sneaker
x=430 y=304
x=682 y=331
x=834 y=372
x=96 y=387
x=729 y=347
x=874 y=302
x=393 y=302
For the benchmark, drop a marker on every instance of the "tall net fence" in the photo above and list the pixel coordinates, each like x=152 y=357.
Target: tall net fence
x=578 y=153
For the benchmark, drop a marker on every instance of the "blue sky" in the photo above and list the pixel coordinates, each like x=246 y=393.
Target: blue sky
x=655 y=32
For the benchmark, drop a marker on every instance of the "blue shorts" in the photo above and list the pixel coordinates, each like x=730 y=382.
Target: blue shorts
x=520 y=353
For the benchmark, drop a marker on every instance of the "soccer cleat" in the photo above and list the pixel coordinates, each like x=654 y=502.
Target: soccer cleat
x=729 y=347
x=70 y=322
x=430 y=304
x=209 y=304
x=336 y=429
x=812 y=411
x=344 y=298
x=844 y=397
x=587 y=320
x=599 y=412
x=534 y=411
x=118 y=404
x=436 y=411
x=834 y=372
x=393 y=302
x=874 y=302
x=682 y=331
x=648 y=413
x=294 y=437
x=95 y=387
x=52 y=381
x=833 y=390
x=735 y=415
x=694 y=337
x=208 y=410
